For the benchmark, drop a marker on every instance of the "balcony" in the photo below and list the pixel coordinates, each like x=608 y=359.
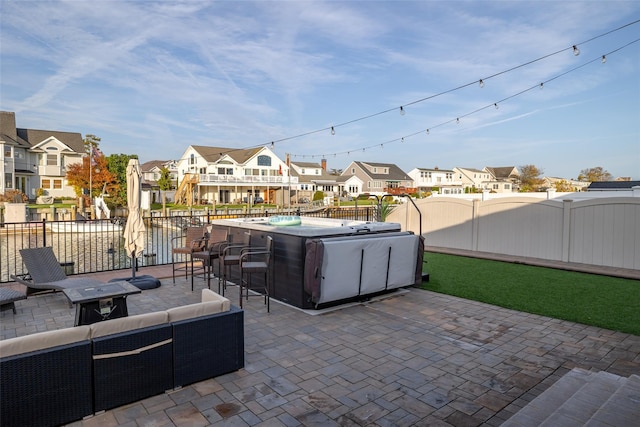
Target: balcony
x=213 y=179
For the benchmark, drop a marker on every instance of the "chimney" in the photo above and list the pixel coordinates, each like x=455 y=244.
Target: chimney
x=323 y=162
x=288 y=160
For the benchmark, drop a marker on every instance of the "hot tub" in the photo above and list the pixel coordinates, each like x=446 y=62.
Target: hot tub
x=324 y=261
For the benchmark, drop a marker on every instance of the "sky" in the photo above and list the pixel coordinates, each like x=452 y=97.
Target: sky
x=151 y=78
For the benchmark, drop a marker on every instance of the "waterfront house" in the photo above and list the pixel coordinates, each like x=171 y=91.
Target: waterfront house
x=444 y=181
x=32 y=159
x=232 y=175
x=379 y=178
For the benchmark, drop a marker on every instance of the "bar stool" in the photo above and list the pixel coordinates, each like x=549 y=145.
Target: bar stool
x=256 y=260
x=194 y=240
x=229 y=255
x=217 y=237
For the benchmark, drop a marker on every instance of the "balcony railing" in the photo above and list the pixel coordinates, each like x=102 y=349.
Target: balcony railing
x=248 y=179
x=95 y=251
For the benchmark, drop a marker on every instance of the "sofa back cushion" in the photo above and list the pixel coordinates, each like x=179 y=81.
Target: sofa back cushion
x=124 y=324
x=43 y=340
x=212 y=303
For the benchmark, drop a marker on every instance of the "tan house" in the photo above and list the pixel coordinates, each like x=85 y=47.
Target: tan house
x=31 y=159
x=314 y=177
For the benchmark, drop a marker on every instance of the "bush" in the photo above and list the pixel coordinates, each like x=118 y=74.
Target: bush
x=14 y=196
x=318 y=195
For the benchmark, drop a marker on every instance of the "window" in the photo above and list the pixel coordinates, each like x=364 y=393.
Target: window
x=507 y=186
x=52 y=160
x=353 y=171
x=46 y=184
x=226 y=171
x=264 y=161
x=192 y=159
x=7 y=151
x=57 y=184
x=496 y=186
x=302 y=171
x=7 y=180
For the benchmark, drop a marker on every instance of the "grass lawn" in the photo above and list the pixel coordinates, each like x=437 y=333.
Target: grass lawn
x=607 y=302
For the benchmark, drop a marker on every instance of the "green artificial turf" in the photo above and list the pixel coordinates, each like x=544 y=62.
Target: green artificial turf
x=607 y=302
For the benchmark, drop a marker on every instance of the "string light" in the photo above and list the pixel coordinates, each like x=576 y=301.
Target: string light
x=272 y=145
x=402 y=140
x=480 y=82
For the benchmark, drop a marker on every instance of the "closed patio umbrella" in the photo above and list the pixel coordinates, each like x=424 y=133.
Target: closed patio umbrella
x=134 y=230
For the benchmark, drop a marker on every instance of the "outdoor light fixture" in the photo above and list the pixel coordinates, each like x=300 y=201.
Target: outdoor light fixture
x=333 y=131
x=481 y=83
x=604 y=59
x=576 y=51
x=401 y=111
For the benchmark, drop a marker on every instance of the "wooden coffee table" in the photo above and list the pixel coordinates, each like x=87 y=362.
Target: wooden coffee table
x=96 y=303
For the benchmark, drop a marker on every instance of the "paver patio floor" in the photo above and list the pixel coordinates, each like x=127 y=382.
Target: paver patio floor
x=410 y=358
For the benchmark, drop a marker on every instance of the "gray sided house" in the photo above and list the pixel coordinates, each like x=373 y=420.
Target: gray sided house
x=31 y=159
x=379 y=179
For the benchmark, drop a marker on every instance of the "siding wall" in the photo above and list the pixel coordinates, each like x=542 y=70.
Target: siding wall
x=596 y=231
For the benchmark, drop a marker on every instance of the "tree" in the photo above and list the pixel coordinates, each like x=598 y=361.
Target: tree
x=335 y=171
x=97 y=175
x=530 y=178
x=594 y=175
x=117 y=164
x=165 y=184
x=91 y=143
x=563 y=186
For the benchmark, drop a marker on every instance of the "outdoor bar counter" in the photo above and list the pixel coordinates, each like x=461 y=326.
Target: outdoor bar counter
x=323 y=262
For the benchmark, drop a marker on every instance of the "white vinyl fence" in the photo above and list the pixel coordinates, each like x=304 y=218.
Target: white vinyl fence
x=598 y=231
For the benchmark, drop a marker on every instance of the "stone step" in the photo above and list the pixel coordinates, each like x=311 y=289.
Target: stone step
x=622 y=408
x=578 y=409
x=537 y=411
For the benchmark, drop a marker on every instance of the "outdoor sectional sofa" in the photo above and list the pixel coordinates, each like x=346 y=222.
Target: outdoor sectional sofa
x=56 y=377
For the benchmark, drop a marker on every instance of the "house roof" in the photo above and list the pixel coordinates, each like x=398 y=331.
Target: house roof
x=147 y=166
x=434 y=170
x=612 y=185
x=73 y=140
x=395 y=173
x=213 y=154
x=503 y=172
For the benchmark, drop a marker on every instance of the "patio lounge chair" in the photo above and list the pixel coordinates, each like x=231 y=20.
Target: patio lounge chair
x=45 y=272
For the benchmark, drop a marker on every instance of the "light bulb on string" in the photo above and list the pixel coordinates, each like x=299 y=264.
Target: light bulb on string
x=401 y=111
x=458 y=120
x=541 y=85
x=402 y=140
x=604 y=59
x=333 y=131
x=576 y=51
x=381 y=145
x=427 y=131
x=496 y=105
x=272 y=145
x=481 y=83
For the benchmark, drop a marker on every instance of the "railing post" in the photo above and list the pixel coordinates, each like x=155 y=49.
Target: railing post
x=44 y=232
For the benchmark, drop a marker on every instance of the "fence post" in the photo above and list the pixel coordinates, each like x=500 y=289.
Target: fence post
x=44 y=232
x=566 y=229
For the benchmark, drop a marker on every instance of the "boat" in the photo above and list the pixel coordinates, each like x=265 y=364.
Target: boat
x=100 y=226
x=285 y=220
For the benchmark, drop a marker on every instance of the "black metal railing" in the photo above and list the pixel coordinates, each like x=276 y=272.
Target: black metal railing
x=102 y=249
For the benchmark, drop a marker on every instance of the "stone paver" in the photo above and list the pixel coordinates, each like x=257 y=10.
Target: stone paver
x=410 y=358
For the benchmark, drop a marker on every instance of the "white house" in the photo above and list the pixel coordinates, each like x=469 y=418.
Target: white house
x=444 y=181
x=232 y=175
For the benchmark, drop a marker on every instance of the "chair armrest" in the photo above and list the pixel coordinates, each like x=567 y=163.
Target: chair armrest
x=245 y=255
x=226 y=250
